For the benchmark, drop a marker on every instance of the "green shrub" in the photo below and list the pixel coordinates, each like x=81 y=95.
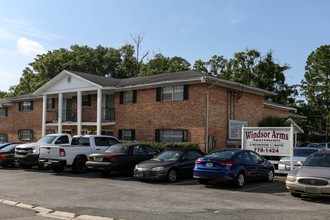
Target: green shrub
x=173 y=145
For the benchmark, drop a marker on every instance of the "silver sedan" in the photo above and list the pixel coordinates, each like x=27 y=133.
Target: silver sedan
x=312 y=178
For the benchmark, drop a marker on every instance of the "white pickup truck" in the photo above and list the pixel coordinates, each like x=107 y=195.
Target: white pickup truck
x=74 y=155
x=26 y=155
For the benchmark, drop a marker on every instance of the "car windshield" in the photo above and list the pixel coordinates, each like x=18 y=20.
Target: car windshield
x=298 y=152
x=46 y=140
x=117 y=149
x=221 y=154
x=169 y=156
x=318 y=160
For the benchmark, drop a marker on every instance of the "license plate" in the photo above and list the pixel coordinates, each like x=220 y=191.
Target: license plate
x=209 y=164
x=311 y=190
x=98 y=159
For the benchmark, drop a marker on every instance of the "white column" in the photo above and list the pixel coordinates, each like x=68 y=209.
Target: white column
x=79 y=112
x=44 y=112
x=60 y=112
x=99 y=112
x=207 y=122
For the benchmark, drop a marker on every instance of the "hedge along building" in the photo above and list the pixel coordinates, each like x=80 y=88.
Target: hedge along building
x=182 y=106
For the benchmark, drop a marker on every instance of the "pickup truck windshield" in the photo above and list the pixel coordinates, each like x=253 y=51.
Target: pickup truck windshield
x=46 y=140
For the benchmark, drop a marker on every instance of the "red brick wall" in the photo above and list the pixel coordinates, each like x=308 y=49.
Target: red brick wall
x=22 y=120
x=147 y=115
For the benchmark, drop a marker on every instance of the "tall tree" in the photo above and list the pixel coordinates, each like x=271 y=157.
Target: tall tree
x=243 y=65
x=161 y=64
x=316 y=86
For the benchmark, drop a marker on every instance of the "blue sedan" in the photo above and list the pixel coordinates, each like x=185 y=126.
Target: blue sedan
x=233 y=165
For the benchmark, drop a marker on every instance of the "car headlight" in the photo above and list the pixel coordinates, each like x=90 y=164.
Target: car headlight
x=158 y=169
x=291 y=178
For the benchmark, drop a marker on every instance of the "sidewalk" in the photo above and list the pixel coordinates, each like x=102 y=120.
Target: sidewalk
x=16 y=210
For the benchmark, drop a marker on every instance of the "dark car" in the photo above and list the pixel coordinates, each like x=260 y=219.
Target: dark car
x=6 y=144
x=233 y=165
x=169 y=165
x=120 y=158
x=7 y=153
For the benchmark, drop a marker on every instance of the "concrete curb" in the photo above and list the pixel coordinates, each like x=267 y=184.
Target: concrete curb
x=52 y=213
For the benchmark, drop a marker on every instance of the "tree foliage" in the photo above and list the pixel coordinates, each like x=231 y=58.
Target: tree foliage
x=247 y=67
x=161 y=64
x=272 y=122
x=251 y=68
x=316 y=87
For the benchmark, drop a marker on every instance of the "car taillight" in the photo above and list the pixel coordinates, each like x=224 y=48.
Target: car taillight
x=112 y=159
x=199 y=160
x=88 y=157
x=3 y=156
x=62 y=152
x=226 y=163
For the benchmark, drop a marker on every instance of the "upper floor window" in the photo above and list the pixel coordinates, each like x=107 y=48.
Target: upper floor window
x=25 y=135
x=4 y=112
x=128 y=97
x=51 y=103
x=172 y=93
x=86 y=100
x=169 y=135
x=3 y=138
x=25 y=106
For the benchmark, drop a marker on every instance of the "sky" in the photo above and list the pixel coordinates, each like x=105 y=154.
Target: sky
x=191 y=29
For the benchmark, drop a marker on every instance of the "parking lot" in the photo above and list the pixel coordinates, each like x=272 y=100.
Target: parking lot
x=122 y=197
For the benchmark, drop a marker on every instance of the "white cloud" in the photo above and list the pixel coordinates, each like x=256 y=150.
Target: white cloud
x=29 y=47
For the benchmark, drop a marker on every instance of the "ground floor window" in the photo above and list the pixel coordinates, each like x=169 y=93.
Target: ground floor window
x=126 y=134
x=3 y=138
x=25 y=135
x=50 y=131
x=171 y=135
x=107 y=132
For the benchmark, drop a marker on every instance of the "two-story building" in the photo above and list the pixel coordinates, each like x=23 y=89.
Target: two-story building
x=182 y=106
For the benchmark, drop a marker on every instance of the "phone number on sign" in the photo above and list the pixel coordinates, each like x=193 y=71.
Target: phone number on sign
x=266 y=150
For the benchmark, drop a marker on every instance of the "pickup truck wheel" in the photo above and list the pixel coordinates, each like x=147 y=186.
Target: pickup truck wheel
x=15 y=164
x=105 y=173
x=26 y=166
x=41 y=166
x=79 y=165
x=58 y=169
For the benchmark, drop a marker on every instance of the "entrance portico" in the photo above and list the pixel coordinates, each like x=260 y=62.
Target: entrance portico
x=75 y=96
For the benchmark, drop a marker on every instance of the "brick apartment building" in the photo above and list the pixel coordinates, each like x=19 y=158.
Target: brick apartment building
x=183 y=106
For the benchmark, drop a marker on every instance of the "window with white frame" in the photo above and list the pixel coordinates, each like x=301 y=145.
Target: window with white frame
x=173 y=93
x=25 y=106
x=86 y=100
x=51 y=103
x=3 y=138
x=107 y=132
x=128 y=97
x=50 y=131
x=173 y=135
x=126 y=134
x=4 y=112
x=25 y=135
